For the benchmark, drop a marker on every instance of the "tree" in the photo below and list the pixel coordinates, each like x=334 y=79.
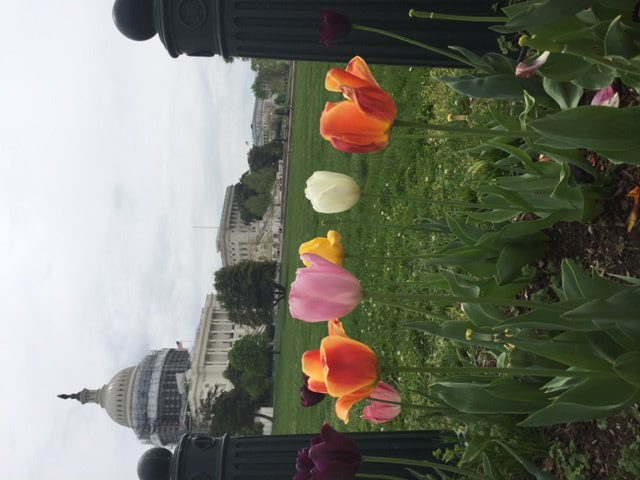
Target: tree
x=232 y=412
x=267 y=155
x=248 y=291
x=261 y=180
x=258 y=204
x=250 y=356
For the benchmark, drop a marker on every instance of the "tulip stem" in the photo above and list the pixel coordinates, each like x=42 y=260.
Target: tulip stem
x=463 y=131
x=423 y=463
x=456 y=18
x=434 y=410
x=378 y=476
x=452 y=56
x=377 y=297
x=497 y=371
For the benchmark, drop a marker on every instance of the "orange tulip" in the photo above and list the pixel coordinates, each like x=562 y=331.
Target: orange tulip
x=362 y=123
x=343 y=368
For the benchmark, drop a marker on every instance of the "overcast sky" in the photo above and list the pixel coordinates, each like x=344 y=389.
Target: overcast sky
x=110 y=151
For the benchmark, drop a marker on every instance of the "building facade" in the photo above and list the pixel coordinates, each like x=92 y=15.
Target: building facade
x=258 y=240
x=215 y=336
x=260 y=126
x=150 y=398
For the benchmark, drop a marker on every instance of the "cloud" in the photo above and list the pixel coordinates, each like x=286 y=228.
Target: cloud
x=110 y=151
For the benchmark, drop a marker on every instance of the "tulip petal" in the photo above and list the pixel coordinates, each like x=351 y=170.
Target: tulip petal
x=351 y=130
x=335 y=327
x=358 y=67
x=317 y=386
x=334 y=237
x=345 y=404
x=374 y=101
x=350 y=366
x=524 y=70
x=312 y=365
x=347 y=147
x=337 y=79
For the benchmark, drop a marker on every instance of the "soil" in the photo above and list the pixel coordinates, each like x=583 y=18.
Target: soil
x=606 y=246
x=602 y=444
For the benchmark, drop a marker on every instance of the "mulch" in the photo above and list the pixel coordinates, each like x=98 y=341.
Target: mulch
x=606 y=246
x=603 y=444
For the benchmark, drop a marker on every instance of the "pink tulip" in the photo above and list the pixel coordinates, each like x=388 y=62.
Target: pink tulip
x=323 y=291
x=606 y=97
x=524 y=70
x=379 y=412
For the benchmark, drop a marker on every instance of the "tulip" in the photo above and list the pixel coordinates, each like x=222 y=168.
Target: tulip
x=331 y=192
x=307 y=397
x=381 y=412
x=362 y=123
x=331 y=456
x=635 y=210
x=328 y=248
x=524 y=70
x=333 y=26
x=342 y=368
x=323 y=291
x=606 y=97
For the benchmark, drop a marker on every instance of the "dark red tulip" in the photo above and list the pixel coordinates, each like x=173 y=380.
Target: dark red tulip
x=332 y=456
x=307 y=397
x=333 y=26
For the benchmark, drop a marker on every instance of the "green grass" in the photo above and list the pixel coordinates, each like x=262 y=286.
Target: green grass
x=421 y=169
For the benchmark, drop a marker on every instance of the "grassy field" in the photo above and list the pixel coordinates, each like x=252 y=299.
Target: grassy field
x=420 y=169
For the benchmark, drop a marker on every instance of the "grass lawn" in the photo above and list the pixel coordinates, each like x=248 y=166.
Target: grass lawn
x=420 y=169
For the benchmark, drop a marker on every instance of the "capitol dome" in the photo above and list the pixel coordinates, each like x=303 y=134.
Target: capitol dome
x=149 y=398
x=115 y=396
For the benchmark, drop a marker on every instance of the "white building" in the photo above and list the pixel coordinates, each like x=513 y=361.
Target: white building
x=262 y=111
x=215 y=336
x=259 y=240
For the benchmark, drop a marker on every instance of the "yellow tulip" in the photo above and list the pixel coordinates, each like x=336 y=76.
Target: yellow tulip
x=328 y=248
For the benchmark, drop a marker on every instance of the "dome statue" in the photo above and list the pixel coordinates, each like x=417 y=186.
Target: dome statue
x=149 y=398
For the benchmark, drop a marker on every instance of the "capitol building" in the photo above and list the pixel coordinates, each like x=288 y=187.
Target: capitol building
x=150 y=398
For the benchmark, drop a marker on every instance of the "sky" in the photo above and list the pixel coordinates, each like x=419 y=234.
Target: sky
x=110 y=152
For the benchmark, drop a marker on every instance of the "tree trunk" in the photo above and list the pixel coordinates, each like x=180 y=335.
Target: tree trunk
x=266 y=417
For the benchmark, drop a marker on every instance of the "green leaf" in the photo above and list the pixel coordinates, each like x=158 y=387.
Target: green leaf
x=473 y=58
x=592 y=398
x=467 y=233
x=566 y=95
x=538 y=473
x=595 y=77
x=569 y=348
x=544 y=12
x=474 y=398
x=514 y=257
x=618 y=41
x=564 y=68
x=611 y=129
x=494 y=86
x=474 y=448
x=627 y=367
x=490 y=469
x=577 y=283
x=620 y=310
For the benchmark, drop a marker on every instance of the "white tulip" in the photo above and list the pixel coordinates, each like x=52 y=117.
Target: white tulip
x=332 y=192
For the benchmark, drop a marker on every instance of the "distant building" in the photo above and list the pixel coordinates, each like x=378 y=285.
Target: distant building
x=262 y=111
x=215 y=336
x=258 y=240
x=149 y=398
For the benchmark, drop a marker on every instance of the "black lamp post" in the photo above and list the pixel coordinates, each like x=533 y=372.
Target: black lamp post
x=289 y=29
x=201 y=457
